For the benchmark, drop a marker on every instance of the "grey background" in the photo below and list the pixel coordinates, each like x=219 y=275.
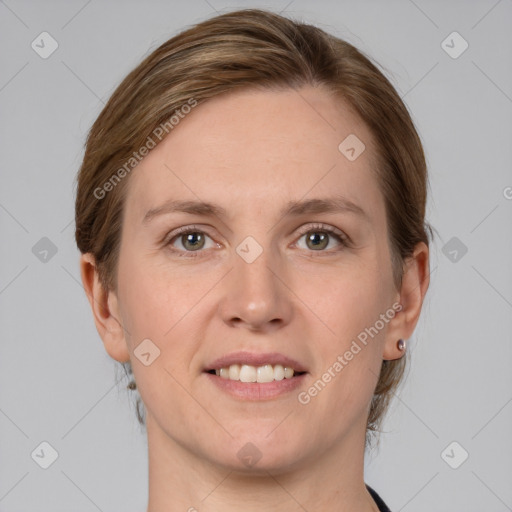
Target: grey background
x=57 y=384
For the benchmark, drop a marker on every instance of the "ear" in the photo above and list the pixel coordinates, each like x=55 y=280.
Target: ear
x=415 y=282
x=105 y=310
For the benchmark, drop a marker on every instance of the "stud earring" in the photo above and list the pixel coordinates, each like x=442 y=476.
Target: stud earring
x=401 y=345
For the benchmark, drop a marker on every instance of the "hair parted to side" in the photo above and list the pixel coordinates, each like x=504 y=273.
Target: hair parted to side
x=242 y=49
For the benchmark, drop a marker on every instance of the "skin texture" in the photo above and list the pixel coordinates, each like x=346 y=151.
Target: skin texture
x=252 y=152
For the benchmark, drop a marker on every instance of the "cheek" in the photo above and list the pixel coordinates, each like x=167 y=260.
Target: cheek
x=347 y=346
x=151 y=296
x=147 y=310
x=349 y=351
x=160 y=310
x=165 y=307
x=348 y=299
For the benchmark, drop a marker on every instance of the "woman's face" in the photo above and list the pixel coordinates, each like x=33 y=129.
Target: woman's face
x=260 y=274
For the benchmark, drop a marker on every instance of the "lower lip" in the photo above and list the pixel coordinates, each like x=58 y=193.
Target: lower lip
x=256 y=390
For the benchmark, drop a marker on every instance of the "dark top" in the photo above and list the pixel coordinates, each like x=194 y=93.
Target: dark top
x=382 y=506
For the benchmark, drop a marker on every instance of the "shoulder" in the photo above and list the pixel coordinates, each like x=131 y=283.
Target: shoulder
x=380 y=502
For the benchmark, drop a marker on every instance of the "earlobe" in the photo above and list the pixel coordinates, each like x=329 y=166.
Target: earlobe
x=415 y=282
x=105 y=310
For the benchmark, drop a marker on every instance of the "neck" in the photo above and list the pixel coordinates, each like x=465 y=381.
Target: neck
x=181 y=481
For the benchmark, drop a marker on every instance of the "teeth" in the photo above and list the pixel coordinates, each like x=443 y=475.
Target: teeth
x=234 y=372
x=265 y=373
x=248 y=373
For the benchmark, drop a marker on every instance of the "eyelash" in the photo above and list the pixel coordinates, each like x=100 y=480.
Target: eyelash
x=332 y=232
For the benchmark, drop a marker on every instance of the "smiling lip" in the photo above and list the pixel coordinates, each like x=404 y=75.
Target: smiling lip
x=256 y=390
x=254 y=359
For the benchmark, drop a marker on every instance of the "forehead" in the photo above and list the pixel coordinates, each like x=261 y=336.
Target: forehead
x=252 y=148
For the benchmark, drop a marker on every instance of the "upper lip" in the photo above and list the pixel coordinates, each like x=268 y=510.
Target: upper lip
x=255 y=359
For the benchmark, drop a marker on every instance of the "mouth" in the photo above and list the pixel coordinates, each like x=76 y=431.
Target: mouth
x=261 y=374
x=256 y=376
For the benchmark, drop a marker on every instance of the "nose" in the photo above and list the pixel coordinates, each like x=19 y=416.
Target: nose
x=255 y=294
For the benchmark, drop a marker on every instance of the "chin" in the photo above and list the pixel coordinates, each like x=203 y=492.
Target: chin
x=261 y=453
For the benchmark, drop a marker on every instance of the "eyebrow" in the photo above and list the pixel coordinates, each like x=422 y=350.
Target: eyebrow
x=337 y=204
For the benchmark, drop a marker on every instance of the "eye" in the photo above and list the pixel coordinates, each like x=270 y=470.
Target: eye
x=193 y=240
x=318 y=237
x=190 y=238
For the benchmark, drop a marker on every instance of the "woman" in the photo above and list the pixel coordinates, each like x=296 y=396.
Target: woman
x=251 y=215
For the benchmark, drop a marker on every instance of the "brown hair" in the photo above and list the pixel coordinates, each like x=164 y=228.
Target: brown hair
x=241 y=49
